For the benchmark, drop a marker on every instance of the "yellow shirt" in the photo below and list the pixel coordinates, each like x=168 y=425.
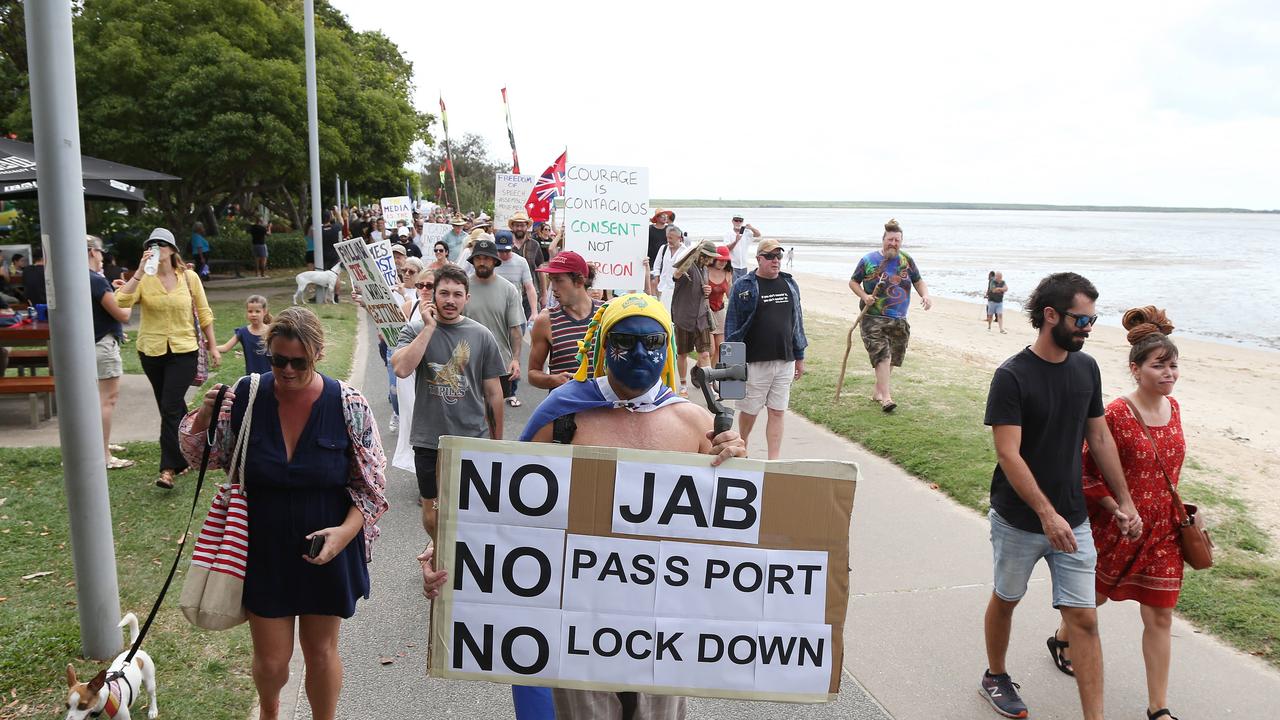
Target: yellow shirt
x=166 y=314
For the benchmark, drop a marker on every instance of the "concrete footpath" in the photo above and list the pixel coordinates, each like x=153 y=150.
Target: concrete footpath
x=921 y=567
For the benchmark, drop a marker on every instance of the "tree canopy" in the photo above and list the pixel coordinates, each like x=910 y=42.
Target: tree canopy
x=215 y=93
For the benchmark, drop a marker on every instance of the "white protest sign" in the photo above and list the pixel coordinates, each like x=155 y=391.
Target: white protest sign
x=395 y=209
x=607 y=222
x=431 y=234
x=385 y=261
x=544 y=589
x=369 y=280
x=510 y=193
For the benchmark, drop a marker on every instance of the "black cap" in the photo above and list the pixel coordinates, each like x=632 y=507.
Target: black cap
x=486 y=248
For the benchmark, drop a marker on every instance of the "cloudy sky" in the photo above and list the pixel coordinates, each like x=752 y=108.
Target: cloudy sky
x=1155 y=103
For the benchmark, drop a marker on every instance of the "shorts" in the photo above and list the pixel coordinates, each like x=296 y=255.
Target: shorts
x=424 y=466
x=1016 y=553
x=107 y=353
x=768 y=385
x=261 y=251
x=310 y=257
x=885 y=338
x=718 y=318
x=688 y=341
x=995 y=308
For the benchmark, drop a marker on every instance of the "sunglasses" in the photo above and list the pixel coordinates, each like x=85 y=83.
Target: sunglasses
x=625 y=341
x=407 y=273
x=297 y=363
x=1081 y=321
x=425 y=286
x=441 y=250
x=153 y=243
x=771 y=255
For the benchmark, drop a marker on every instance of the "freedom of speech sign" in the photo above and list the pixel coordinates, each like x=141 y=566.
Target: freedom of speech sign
x=628 y=570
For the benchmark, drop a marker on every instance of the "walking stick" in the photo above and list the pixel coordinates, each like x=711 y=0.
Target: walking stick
x=848 y=345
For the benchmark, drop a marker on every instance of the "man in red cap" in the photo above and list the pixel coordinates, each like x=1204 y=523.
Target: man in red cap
x=556 y=331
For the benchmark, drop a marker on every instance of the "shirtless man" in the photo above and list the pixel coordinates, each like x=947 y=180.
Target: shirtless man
x=627 y=389
x=556 y=331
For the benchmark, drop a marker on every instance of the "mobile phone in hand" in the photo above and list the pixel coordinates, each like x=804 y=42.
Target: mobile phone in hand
x=317 y=544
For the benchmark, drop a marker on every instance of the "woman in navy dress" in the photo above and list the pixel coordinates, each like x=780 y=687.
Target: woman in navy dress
x=314 y=469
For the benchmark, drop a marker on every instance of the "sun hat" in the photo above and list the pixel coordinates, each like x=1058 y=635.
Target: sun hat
x=486 y=247
x=457 y=220
x=163 y=236
x=520 y=216
x=566 y=262
x=768 y=246
x=671 y=217
x=398 y=248
x=708 y=248
x=722 y=253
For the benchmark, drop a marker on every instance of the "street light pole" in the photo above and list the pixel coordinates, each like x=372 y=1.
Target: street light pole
x=55 y=120
x=313 y=129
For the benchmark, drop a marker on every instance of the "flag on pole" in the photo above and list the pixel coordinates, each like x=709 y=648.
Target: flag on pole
x=515 y=159
x=549 y=187
x=448 y=153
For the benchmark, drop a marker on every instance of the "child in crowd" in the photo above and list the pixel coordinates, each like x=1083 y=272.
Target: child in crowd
x=250 y=336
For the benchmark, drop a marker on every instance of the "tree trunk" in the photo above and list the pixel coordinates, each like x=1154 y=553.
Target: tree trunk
x=293 y=208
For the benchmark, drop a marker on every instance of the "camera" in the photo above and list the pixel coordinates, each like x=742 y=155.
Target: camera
x=730 y=379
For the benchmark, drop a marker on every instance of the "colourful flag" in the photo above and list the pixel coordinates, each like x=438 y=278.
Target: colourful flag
x=515 y=159
x=549 y=187
x=448 y=153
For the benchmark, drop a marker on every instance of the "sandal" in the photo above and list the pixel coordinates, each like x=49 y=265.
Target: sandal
x=1162 y=712
x=116 y=463
x=165 y=480
x=888 y=405
x=514 y=401
x=1056 y=647
x=115 y=448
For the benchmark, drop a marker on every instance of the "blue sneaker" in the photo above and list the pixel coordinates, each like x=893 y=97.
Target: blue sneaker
x=1002 y=692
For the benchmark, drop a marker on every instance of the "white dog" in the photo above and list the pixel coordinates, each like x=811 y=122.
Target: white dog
x=324 y=280
x=115 y=696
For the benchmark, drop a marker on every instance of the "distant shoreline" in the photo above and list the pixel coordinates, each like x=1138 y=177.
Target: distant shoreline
x=872 y=204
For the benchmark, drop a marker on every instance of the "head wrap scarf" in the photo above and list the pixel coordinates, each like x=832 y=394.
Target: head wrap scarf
x=610 y=314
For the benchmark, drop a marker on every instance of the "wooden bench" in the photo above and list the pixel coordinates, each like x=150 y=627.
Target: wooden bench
x=32 y=387
x=29 y=359
x=231 y=265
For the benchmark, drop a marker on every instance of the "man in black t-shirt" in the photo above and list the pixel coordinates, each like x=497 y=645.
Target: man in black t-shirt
x=258 y=233
x=764 y=314
x=1044 y=402
x=658 y=233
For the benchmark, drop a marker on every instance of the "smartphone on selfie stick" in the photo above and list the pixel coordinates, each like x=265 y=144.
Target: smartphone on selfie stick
x=729 y=378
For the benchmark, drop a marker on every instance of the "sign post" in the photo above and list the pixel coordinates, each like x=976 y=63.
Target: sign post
x=607 y=222
x=627 y=570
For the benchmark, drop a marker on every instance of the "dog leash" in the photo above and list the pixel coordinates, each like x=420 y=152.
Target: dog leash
x=103 y=677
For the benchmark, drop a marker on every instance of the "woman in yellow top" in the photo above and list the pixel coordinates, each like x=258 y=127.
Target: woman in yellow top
x=167 y=337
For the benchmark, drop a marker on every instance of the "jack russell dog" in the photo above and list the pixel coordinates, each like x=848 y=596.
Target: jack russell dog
x=112 y=698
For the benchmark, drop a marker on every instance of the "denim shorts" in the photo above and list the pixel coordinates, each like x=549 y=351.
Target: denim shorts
x=1016 y=553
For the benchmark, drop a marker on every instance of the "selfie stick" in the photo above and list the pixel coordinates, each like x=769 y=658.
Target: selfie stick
x=702 y=377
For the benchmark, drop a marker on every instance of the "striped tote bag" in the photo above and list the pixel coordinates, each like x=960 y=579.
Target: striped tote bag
x=214 y=588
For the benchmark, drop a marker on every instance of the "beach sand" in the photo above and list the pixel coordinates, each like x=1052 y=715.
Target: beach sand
x=1230 y=396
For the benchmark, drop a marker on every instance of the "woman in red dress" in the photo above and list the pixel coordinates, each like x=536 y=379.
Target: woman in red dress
x=1147 y=569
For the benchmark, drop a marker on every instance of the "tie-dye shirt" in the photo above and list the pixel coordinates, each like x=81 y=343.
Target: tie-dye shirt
x=894 y=299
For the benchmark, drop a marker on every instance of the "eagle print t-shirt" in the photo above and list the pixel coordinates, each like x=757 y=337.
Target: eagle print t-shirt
x=450 y=381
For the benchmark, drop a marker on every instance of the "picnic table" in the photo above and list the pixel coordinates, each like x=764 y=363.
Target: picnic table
x=36 y=335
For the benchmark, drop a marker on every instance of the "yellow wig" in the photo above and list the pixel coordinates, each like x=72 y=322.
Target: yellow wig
x=609 y=314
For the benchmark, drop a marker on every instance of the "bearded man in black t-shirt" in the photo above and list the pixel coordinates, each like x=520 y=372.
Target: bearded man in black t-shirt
x=764 y=314
x=1043 y=404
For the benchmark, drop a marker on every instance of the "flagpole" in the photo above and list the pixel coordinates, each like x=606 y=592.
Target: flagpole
x=511 y=134
x=448 y=152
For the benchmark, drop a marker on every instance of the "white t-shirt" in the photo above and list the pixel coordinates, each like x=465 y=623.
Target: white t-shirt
x=739 y=253
x=664 y=265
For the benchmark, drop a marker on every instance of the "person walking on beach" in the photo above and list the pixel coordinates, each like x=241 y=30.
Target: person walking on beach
x=661 y=279
x=1043 y=403
x=658 y=233
x=621 y=397
x=740 y=240
x=1146 y=568
x=765 y=314
x=554 y=341
x=456 y=390
x=883 y=281
x=690 y=310
x=995 y=301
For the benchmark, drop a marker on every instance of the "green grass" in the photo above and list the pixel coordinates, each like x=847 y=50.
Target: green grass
x=202 y=674
x=339 y=333
x=937 y=435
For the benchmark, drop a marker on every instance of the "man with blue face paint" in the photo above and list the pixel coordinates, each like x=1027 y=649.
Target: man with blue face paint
x=620 y=397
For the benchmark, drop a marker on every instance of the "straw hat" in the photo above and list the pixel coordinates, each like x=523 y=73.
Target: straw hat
x=520 y=216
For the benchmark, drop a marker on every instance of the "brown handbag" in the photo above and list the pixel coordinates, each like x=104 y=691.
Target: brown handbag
x=1197 y=546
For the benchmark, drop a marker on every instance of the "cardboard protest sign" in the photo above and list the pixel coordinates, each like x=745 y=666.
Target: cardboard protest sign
x=366 y=266
x=395 y=209
x=633 y=570
x=510 y=193
x=607 y=222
